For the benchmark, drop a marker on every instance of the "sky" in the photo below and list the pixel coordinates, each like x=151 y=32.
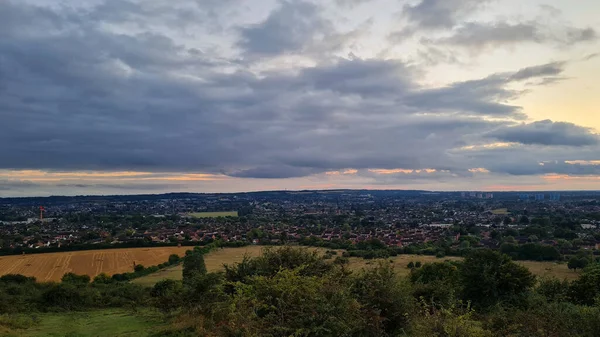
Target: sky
x=133 y=96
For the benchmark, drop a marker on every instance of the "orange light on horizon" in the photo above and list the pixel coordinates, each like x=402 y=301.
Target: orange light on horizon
x=404 y=171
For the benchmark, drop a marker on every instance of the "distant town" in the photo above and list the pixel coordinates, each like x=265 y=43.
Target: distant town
x=553 y=223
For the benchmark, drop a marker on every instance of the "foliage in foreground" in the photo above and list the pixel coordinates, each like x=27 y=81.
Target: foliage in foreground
x=296 y=292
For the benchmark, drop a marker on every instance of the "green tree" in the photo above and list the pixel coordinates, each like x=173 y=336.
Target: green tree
x=385 y=299
x=577 y=263
x=72 y=278
x=586 y=289
x=437 y=283
x=193 y=264
x=167 y=295
x=174 y=258
x=489 y=276
x=103 y=279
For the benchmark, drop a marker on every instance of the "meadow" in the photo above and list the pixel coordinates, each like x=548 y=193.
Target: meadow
x=216 y=259
x=96 y=323
x=52 y=266
x=501 y=211
x=212 y=214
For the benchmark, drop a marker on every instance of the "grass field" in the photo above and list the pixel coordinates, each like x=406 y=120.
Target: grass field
x=500 y=211
x=215 y=260
x=52 y=266
x=103 y=323
x=212 y=214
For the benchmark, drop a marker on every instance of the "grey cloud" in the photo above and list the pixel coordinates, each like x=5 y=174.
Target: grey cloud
x=433 y=14
x=75 y=95
x=287 y=29
x=550 y=69
x=547 y=132
x=532 y=159
x=352 y=3
x=480 y=35
x=485 y=96
x=274 y=172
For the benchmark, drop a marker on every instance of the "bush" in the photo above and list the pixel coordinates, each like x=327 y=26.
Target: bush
x=385 y=299
x=340 y=260
x=193 y=264
x=75 y=279
x=16 y=278
x=103 y=279
x=167 y=295
x=489 y=277
x=173 y=259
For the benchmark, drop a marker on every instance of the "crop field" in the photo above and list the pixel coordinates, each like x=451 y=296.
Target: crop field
x=52 y=266
x=212 y=214
x=215 y=260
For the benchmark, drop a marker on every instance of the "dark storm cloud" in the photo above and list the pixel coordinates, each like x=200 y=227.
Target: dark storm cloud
x=287 y=29
x=80 y=92
x=547 y=132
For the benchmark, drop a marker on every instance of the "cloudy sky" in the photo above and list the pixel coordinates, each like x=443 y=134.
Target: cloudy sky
x=134 y=96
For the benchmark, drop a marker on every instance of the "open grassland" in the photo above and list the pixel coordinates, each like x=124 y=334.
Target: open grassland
x=102 y=323
x=215 y=260
x=542 y=269
x=52 y=266
x=212 y=214
x=500 y=211
x=398 y=262
x=550 y=269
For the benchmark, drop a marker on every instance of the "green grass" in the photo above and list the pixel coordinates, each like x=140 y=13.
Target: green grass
x=101 y=323
x=215 y=260
x=212 y=214
x=171 y=273
x=501 y=211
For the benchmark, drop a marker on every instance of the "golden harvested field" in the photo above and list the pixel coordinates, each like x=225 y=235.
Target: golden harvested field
x=52 y=266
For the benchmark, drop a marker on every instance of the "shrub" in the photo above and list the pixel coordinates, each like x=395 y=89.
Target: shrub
x=75 y=279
